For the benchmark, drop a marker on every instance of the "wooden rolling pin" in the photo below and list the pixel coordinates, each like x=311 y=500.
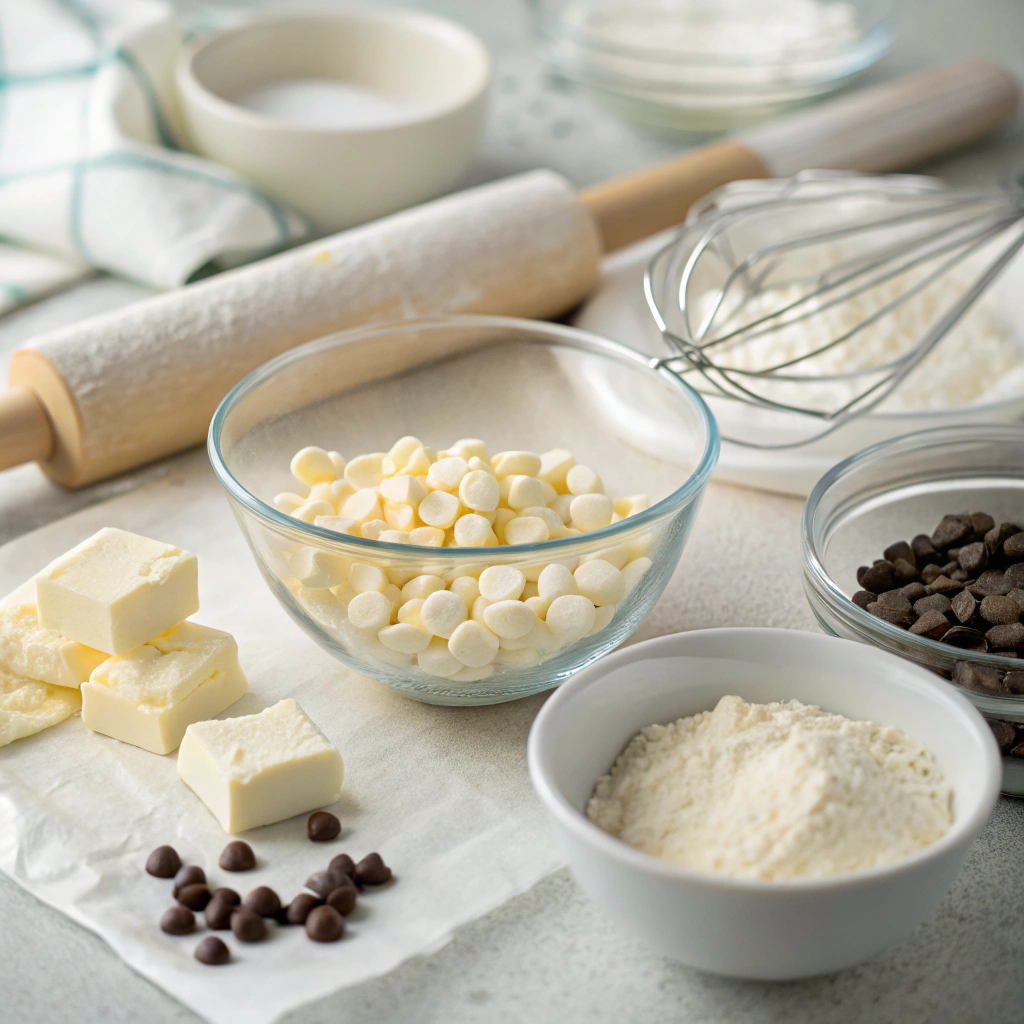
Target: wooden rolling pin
x=124 y=388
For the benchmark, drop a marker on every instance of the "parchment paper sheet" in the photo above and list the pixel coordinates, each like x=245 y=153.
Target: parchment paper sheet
x=442 y=793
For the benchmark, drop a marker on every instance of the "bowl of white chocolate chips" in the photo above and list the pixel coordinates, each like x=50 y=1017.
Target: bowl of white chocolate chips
x=443 y=505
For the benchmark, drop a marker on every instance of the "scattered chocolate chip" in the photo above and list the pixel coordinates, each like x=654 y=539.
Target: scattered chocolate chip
x=945 y=585
x=933 y=625
x=879 y=578
x=299 y=908
x=1006 y=636
x=904 y=571
x=212 y=951
x=218 y=913
x=897 y=618
x=973 y=557
x=229 y=896
x=1004 y=733
x=1014 y=681
x=322 y=883
x=995 y=537
x=963 y=605
x=863 y=598
x=237 y=856
x=901 y=549
x=981 y=523
x=951 y=530
x=980 y=678
x=195 y=896
x=372 y=870
x=263 y=901
x=163 y=862
x=860 y=572
x=323 y=826
x=178 y=920
x=999 y=610
x=247 y=925
x=1013 y=547
x=932 y=603
x=894 y=601
x=190 y=874
x=325 y=924
x=990 y=584
x=966 y=638
x=913 y=591
x=343 y=899
x=924 y=550
x=930 y=573
x=343 y=864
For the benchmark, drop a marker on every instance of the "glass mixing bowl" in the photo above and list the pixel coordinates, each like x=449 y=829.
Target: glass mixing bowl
x=516 y=384
x=893 y=491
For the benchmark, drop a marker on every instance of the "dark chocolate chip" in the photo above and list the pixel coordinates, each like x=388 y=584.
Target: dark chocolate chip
x=932 y=603
x=991 y=584
x=1018 y=750
x=372 y=870
x=950 y=567
x=879 y=578
x=194 y=896
x=263 y=901
x=178 y=920
x=1014 y=681
x=924 y=550
x=863 y=598
x=901 y=549
x=229 y=896
x=247 y=925
x=860 y=572
x=951 y=530
x=1015 y=575
x=962 y=576
x=966 y=638
x=343 y=864
x=973 y=558
x=322 y=883
x=323 y=826
x=999 y=610
x=963 y=605
x=237 y=856
x=1013 y=547
x=894 y=601
x=325 y=924
x=933 y=625
x=913 y=591
x=299 y=908
x=981 y=523
x=212 y=951
x=1017 y=595
x=945 y=585
x=1004 y=733
x=997 y=535
x=930 y=572
x=218 y=913
x=904 y=571
x=163 y=862
x=979 y=678
x=190 y=874
x=1006 y=636
x=343 y=899
x=901 y=619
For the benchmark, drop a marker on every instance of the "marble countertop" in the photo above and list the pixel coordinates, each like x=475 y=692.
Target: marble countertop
x=548 y=956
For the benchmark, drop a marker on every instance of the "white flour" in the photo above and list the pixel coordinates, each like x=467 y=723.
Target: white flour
x=773 y=791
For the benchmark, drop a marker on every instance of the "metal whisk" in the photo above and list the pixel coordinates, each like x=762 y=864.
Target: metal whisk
x=771 y=282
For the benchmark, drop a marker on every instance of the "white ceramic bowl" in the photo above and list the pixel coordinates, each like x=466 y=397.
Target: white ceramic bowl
x=751 y=928
x=341 y=176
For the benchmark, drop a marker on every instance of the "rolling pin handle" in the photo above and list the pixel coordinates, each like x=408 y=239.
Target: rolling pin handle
x=25 y=431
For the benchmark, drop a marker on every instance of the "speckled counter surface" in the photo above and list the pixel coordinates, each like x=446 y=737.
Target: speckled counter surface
x=548 y=956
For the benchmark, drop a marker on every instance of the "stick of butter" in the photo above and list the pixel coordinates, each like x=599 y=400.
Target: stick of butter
x=262 y=768
x=28 y=706
x=27 y=649
x=117 y=590
x=149 y=696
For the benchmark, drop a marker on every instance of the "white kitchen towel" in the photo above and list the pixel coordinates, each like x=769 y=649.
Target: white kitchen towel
x=91 y=173
x=442 y=793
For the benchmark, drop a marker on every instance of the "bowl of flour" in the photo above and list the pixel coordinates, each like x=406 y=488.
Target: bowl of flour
x=765 y=804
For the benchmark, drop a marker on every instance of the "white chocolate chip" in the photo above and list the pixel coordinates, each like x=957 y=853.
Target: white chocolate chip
x=394 y=595
x=394 y=536
x=411 y=611
x=427 y=536
x=287 y=502
x=403 y=489
x=502 y=583
x=401 y=450
x=363 y=506
x=419 y=462
x=602 y=618
x=523 y=657
x=502 y=517
x=422 y=586
x=472 y=675
x=338 y=524
x=365 y=470
x=439 y=509
x=511 y=619
x=311 y=509
x=319 y=570
x=479 y=491
x=480 y=465
x=553 y=520
x=476 y=613
x=561 y=506
x=631 y=505
x=373 y=529
x=341 y=490
x=338 y=461
x=523 y=491
x=405 y=638
x=470 y=448
x=538 y=605
x=369 y=610
x=617 y=555
x=363 y=577
x=570 y=617
x=591 y=511
x=322 y=492
x=600 y=581
x=526 y=530
x=632 y=571
x=554 y=465
x=400 y=517
x=583 y=480
x=447 y=474
x=443 y=612
x=312 y=465
x=473 y=644
x=437 y=660
x=556 y=581
x=637 y=546
x=516 y=464
x=467 y=587
x=473 y=531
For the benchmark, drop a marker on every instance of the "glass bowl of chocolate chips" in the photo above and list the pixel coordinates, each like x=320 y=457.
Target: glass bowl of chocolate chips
x=916 y=545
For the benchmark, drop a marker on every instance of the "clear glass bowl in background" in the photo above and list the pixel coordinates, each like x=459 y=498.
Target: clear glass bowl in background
x=707 y=65
x=894 y=491
x=516 y=384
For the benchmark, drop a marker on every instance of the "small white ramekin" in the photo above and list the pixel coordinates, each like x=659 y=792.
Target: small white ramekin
x=338 y=177
x=751 y=928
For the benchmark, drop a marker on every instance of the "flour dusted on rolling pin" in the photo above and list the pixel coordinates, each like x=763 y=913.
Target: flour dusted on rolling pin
x=142 y=382
x=773 y=791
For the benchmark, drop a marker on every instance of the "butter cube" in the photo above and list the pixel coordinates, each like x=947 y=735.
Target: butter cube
x=117 y=590
x=149 y=696
x=28 y=706
x=262 y=768
x=29 y=650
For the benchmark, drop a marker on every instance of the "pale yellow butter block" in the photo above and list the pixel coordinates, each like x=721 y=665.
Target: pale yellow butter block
x=28 y=706
x=262 y=768
x=150 y=696
x=27 y=649
x=117 y=590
